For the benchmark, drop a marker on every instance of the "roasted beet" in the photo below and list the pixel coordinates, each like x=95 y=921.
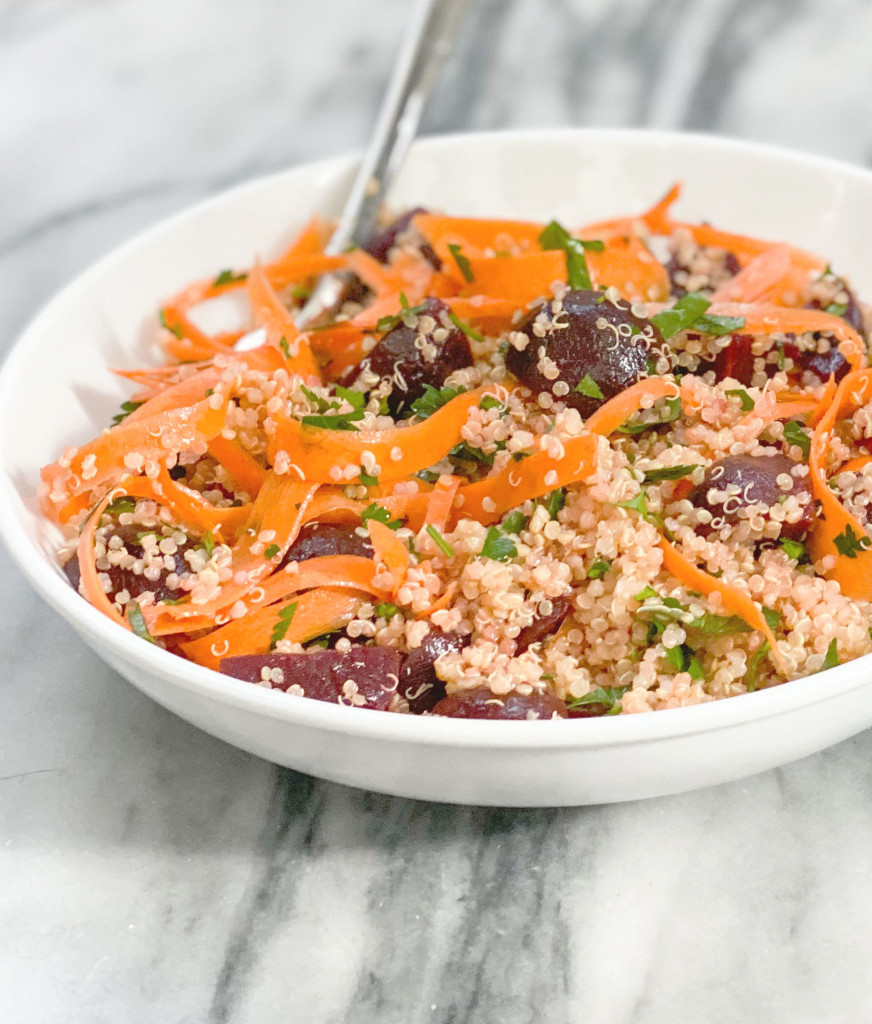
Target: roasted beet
x=317 y=539
x=482 y=703
x=381 y=243
x=419 y=683
x=411 y=359
x=604 y=342
x=365 y=677
x=136 y=583
x=544 y=625
x=735 y=361
x=824 y=364
x=852 y=313
x=751 y=479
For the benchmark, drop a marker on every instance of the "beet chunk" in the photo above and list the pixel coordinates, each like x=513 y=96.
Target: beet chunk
x=544 y=625
x=419 y=683
x=735 y=361
x=750 y=479
x=602 y=341
x=482 y=703
x=824 y=364
x=365 y=677
x=383 y=241
x=317 y=539
x=398 y=357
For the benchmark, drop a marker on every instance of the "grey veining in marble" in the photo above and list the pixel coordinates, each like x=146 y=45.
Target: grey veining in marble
x=149 y=873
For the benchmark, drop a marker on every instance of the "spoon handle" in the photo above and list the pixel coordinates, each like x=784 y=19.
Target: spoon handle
x=428 y=40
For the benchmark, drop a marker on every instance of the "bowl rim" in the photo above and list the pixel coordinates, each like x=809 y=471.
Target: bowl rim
x=428 y=730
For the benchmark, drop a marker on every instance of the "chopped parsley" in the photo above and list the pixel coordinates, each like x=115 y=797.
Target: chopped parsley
x=754 y=666
x=366 y=479
x=555 y=501
x=673 y=411
x=588 y=387
x=123 y=504
x=388 y=323
x=461 y=261
x=271 y=552
x=126 y=409
x=228 y=277
x=555 y=236
x=498 y=547
x=640 y=504
x=690 y=311
x=470 y=332
x=794 y=433
x=380 y=515
x=850 y=544
x=720 y=625
x=440 y=541
x=386 y=610
x=684 y=659
x=283 y=622
x=514 y=522
x=793 y=549
x=608 y=696
x=208 y=543
x=335 y=420
x=433 y=399
x=832 y=657
x=771 y=616
x=285 y=347
x=490 y=402
x=137 y=622
x=745 y=400
x=837 y=308
x=599 y=568
x=654 y=476
x=464 y=452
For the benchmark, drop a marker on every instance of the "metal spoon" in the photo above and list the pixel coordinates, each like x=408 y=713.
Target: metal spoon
x=430 y=35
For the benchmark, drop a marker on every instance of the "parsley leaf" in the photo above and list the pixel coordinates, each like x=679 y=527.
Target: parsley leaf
x=461 y=261
x=388 y=323
x=850 y=544
x=228 y=277
x=433 y=399
x=837 y=308
x=467 y=453
x=653 y=476
x=335 y=420
x=794 y=433
x=720 y=625
x=684 y=659
x=514 y=522
x=599 y=568
x=640 y=504
x=754 y=666
x=440 y=541
x=283 y=622
x=498 y=547
x=126 y=409
x=832 y=658
x=386 y=610
x=208 y=543
x=686 y=311
x=555 y=236
x=745 y=400
x=470 y=332
x=673 y=411
x=708 y=323
x=381 y=515
x=123 y=504
x=490 y=402
x=588 y=387
x=771 y=616
x=137 y=622
x=793 y=549
x=271 y=552
x=366 y=479
x=555 y=501
x=285 y=347
x=608 y=696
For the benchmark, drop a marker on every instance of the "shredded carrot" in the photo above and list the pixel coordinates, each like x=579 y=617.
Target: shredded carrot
x=89 y=578
x=245 y=470
x=440 y=501
x=390 y=551
x=760 y=276
x=281 y=332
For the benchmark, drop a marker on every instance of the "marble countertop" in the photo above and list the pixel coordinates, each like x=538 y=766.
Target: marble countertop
x=151 y=873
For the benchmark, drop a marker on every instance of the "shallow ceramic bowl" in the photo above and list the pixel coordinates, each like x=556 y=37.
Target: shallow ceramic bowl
x=106 y=318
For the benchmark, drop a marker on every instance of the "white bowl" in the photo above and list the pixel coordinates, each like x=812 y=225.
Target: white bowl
x=55 y=389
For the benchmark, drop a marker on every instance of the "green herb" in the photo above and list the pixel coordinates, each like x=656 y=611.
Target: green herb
x=640 y=504
x=137 y=622
x=653 y=476
x=609 y=696
x=470 y=332
x=208 y=543
x=271 y=552
x=120 y=505
x=771 y=616
x=366 y=479
x=684 y=659
x=227 y=277
x=514 y=522
x=335 y=420
x=645 y=593
x=300 y=292
x=209 y=392
x=555 y=236
x=433 y=399
x=283 y=622
x=599 y=568
x=320 y=403
x=285 y=347
x=490 y=402
x=126 y=409
x=388 y=323
x=849 y=544
x=356 y=399
x=720 y=625
x=175 y=329
x=498 y=547
x=718 y=325
x=745 y=400
x=837 y=308
x=467 y=453
x=461 y=261
x=440 y=542
x=795 y=434
x=386 y=610
x=673 y=411
x=555 y=501
x=380 y=515
x=686 y=311
x=754 y=666
x=793 y=549
x=173 y=600
x=588 y=387
x=832 y=657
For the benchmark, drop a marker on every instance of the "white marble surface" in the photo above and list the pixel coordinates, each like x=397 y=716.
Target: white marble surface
x=149 y=873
